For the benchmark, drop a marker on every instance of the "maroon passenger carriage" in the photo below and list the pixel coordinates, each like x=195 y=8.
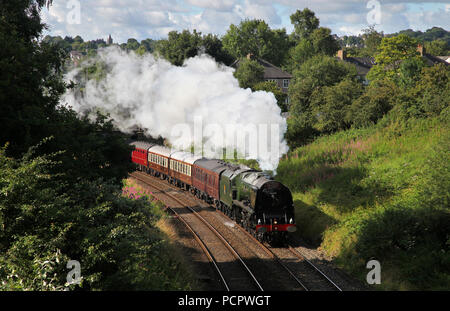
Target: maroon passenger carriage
x=256 y=203
x=181 y=171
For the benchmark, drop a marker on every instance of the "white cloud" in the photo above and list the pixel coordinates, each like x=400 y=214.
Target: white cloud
x=219 y=5
x=155 y=18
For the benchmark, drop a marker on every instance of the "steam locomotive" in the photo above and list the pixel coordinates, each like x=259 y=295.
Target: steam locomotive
x=250 y=197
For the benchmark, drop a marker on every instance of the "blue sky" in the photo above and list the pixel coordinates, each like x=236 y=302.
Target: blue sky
x=143 y=19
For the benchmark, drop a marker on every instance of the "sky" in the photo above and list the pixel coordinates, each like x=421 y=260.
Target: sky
x=142 y=19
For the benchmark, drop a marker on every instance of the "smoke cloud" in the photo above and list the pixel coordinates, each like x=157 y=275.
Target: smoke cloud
x=198 y=103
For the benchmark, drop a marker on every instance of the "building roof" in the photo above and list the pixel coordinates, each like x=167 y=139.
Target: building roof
x=270 y=70
x=446 y=58
x=433 y=60
x=363 y=64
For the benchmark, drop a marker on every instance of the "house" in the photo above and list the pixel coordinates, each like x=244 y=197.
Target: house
x=431 y=60
x=445 y=58
x=271 y=72
x=362 y=64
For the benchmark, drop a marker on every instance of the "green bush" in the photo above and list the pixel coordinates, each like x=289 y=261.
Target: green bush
x=380 y=192
x=43 y=226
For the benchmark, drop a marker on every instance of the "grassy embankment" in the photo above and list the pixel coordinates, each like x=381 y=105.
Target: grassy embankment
x=378 y=193
x=170 y=264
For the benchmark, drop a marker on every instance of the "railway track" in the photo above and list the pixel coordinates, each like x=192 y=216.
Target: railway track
x=231 y=268
x=321 y=274
x=303 y=274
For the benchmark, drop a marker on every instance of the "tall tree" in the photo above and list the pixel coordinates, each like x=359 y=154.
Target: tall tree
x=437 y=47
x=299 y=54
x=391 y=53
x=305 y=22
x=180 y=46
x=372 y=40
x=249 y=73
x=307 y=92
x=29 y=80
x=255 y=37
x=323 y=42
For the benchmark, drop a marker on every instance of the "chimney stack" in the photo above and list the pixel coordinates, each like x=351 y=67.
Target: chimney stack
x=341 y=54
x=421 y=49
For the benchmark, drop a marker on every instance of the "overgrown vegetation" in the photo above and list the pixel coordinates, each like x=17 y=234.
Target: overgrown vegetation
x=61 y=179
x=368 y=164
x=382 y=193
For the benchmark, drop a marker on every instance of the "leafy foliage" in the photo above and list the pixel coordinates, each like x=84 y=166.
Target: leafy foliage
x=60 y=181
x=307 y=90
x=249 y=73
x=255 y=37
x=305 y=22
x=379 y=192
x=183 y=45
x=391 y=53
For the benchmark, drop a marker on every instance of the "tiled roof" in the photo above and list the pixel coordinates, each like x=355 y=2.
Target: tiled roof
x=270 y=70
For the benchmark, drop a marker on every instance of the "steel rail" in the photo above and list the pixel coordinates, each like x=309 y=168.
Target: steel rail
x=225 y=242
x=300 y=255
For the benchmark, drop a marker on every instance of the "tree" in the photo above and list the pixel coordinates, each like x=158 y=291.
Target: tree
x=437 y=47
x=249 y=73
x=132 y=44
x=212 y=45
x=317 y=72
x=377 y=100
x=391 y=53
x=372 y=40
x=148 y=45
x=27 y=100
x=299 y=54
x=410 y=71
x=305 y=91
x=331 y=104
x=179 y=46
x=432 y=90
x=60 y=179
x=323 y=42
x=255 y=37
x=305 y=22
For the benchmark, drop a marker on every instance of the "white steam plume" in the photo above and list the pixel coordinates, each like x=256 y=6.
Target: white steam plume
x=168 y=101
